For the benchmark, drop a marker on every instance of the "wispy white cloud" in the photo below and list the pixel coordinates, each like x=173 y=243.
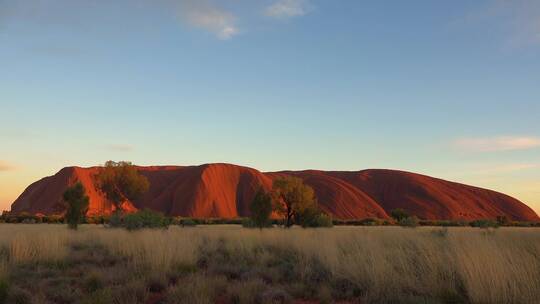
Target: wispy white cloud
x=5 y=166
x=120 y=147
x=502 y=143
x=207 y=16
x=287 y=8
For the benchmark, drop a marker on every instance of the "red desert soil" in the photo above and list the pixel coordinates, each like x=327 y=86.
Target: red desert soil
x=225 y=190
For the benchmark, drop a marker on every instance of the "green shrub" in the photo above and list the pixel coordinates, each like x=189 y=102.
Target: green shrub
x=444 y=223
x=317 y=220
x=94 y=282
x=485 y=223
x=249 y=223
x=458 y=223
x=53 y=219
x=399 y=214
x=522 y=224
x=146 y=219
x=22 y=216
x=369 y=222
x=410 y=222
x=97 y=219
x=188 y=222
x=115 y=220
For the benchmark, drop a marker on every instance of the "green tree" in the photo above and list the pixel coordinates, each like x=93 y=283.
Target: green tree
x=77 y=204
x=120 y=182
x=399 y=214
x=292 y=198
x=261 y=208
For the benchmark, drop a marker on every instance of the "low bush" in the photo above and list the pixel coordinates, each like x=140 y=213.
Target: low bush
x=369 y=222
x=53 y=219
x=249 y=223
x=145 y=219
x=485 y=223
x=410 y=222
x=115 y=220
x=318 y=220
x=97 y=219
x=94 y=282
x=444 y=223
x=187 y=222
x=399 y=214
x=521 y=224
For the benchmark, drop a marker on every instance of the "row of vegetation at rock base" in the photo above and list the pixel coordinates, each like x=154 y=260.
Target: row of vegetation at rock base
x=27 y=218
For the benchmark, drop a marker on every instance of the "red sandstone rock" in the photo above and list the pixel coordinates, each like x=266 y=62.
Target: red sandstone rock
x=224 y=190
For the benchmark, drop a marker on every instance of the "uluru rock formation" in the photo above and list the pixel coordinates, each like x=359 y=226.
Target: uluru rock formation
x=225 y=190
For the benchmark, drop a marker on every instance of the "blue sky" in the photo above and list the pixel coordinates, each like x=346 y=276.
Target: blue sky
x=450 y=89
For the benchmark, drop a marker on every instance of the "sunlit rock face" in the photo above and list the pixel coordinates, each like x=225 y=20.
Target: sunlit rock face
x=225 y=191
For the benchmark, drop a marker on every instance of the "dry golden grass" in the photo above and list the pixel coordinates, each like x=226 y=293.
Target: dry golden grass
x=387 y=264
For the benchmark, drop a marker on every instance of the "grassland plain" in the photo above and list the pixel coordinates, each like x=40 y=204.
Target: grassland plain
x=229 y=264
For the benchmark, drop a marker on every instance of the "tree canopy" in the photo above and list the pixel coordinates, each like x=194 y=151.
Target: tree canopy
x=120 y=182
x=261 y=208
x=292 y=198
x=77 y=204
